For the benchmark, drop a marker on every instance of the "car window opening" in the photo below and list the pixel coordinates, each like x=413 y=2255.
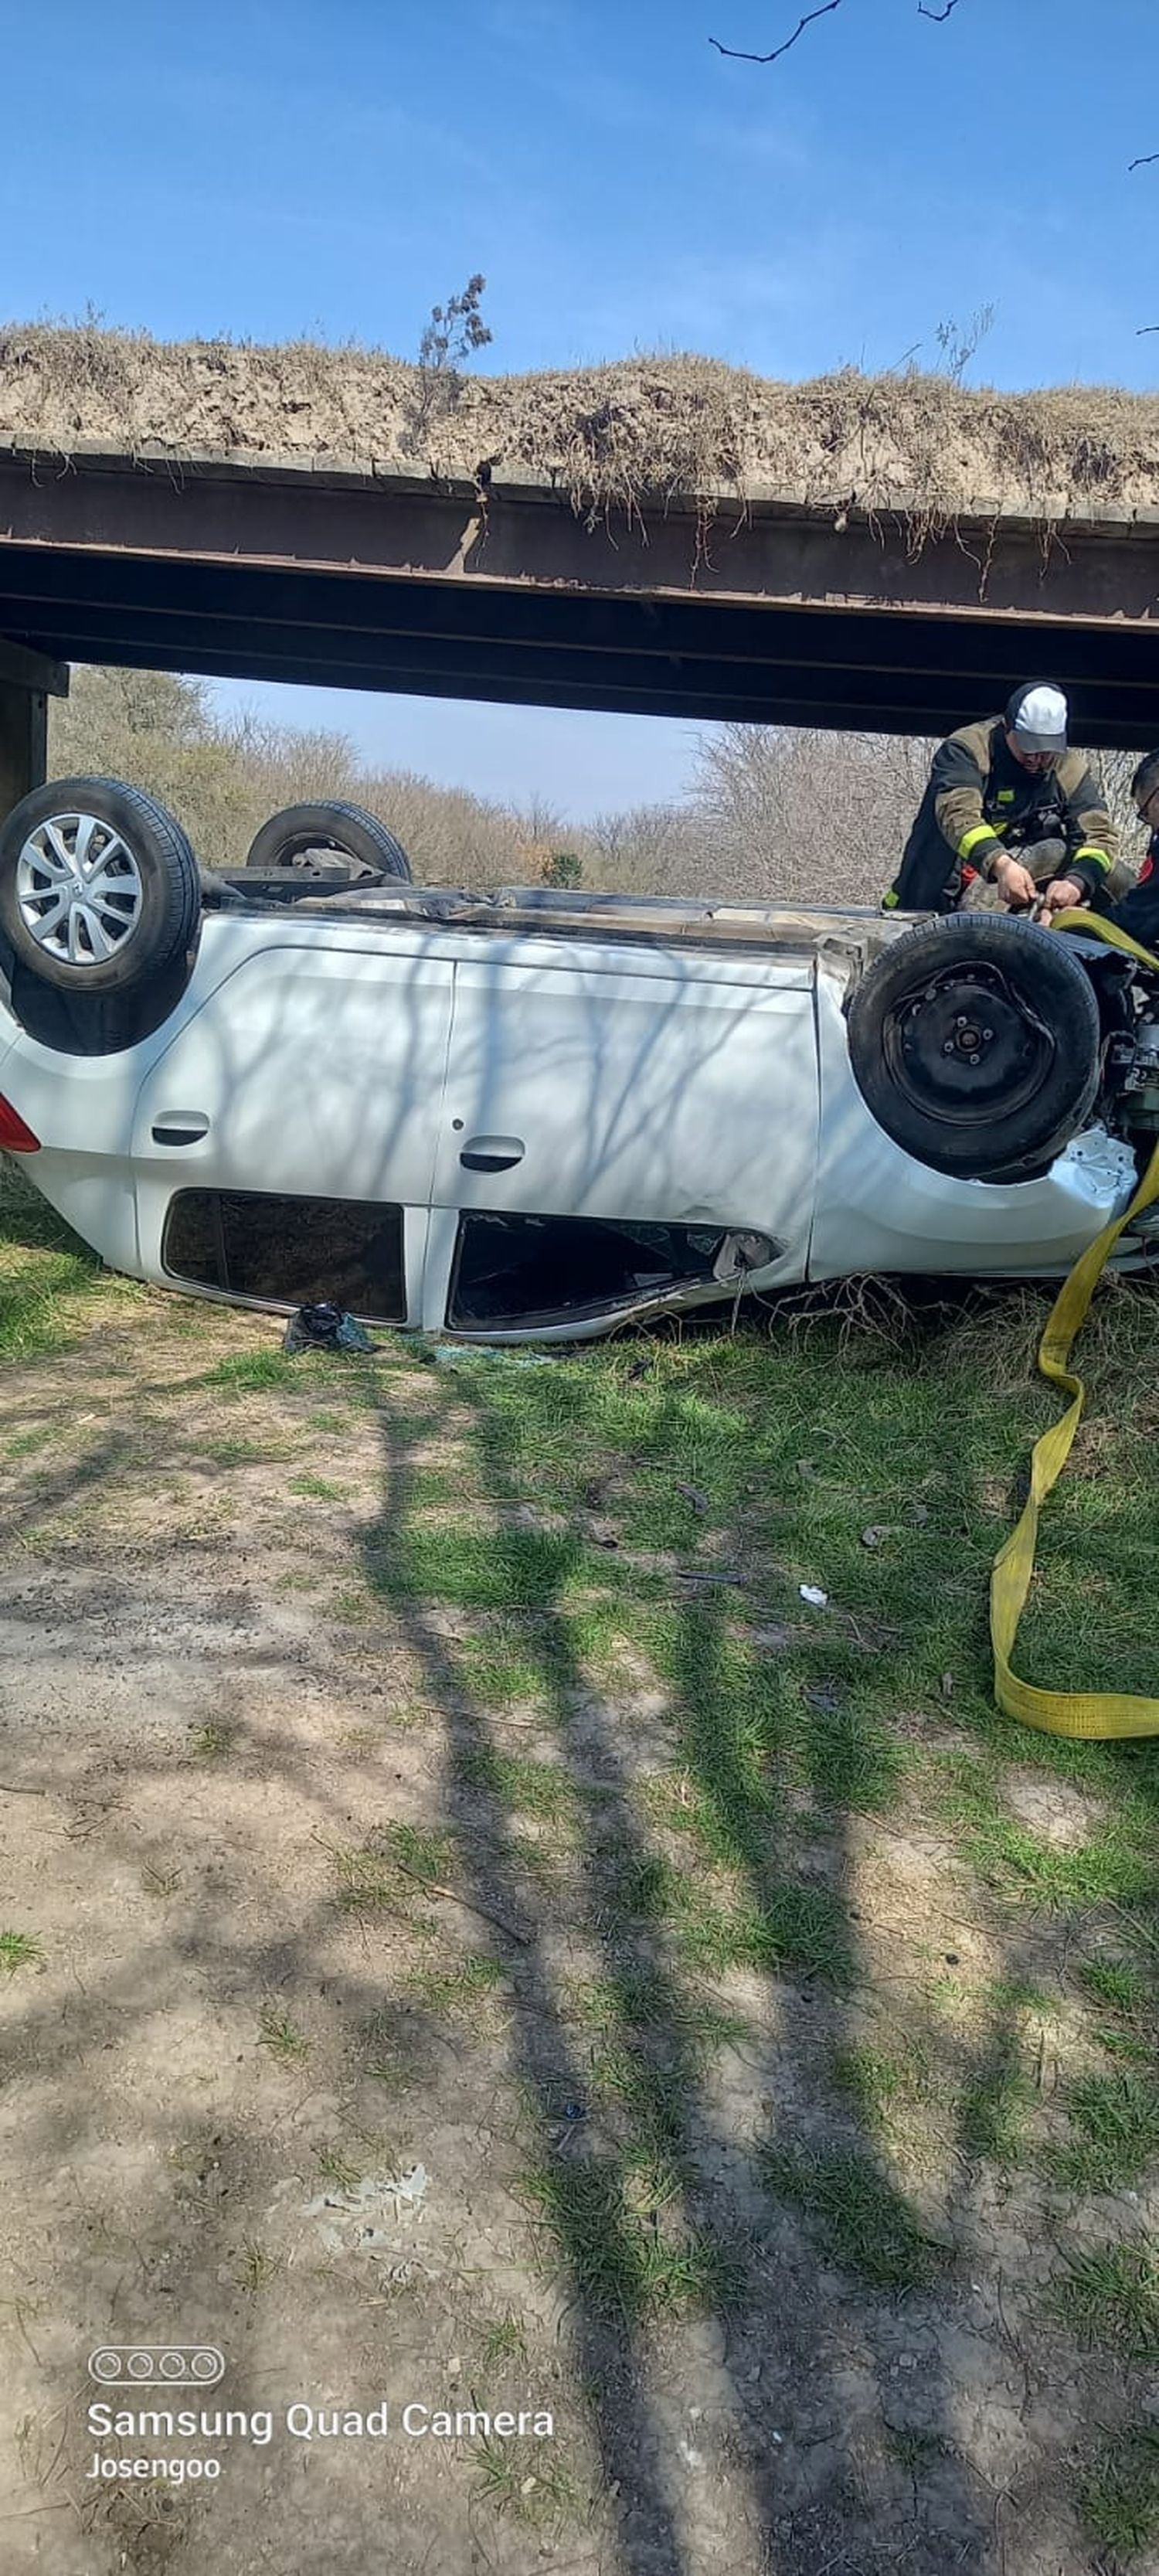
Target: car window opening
x=290 y=1251
x=527 y=1270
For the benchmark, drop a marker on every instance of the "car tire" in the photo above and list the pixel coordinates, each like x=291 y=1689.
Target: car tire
x=974 y=1041
x=99 y=888
x=287 y=839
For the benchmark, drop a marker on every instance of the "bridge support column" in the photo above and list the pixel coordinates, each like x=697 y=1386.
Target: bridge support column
x=23 y=743
x=27 y=682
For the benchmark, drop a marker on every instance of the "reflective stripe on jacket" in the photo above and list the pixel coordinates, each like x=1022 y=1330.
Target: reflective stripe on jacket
x=980 y=801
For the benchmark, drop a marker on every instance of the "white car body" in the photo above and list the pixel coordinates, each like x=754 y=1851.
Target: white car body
x=638 y=1065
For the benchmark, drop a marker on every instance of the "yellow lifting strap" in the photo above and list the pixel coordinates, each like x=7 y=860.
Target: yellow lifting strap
x=1087 y=1714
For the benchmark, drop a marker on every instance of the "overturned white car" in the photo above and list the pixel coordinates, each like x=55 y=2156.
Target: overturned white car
x=535 y=1115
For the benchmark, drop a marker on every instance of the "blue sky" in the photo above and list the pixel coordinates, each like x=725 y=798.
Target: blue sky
x=334 y=167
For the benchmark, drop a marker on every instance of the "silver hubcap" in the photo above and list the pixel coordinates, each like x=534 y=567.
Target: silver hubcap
x=78 y=887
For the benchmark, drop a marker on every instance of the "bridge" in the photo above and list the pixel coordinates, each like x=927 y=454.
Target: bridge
x=348 y=576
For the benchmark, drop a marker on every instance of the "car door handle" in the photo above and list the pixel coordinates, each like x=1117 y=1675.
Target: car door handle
x=492 y=1153
x=180 y=1127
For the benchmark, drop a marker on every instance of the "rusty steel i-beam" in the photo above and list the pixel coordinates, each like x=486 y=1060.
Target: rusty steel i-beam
x=353 y=577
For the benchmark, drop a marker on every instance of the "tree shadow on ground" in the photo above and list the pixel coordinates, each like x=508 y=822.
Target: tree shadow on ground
x=661 y=2206
x=712 y=2214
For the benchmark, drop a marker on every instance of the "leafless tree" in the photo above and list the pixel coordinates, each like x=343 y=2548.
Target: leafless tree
x=805 y=817
x=651 y=849
x=1117 y=769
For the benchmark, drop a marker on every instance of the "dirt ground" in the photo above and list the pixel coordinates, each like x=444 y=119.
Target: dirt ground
x=280 y=2083
x=607 y=435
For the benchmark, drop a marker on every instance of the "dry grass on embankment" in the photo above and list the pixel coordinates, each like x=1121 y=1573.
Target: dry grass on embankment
x=610 y=436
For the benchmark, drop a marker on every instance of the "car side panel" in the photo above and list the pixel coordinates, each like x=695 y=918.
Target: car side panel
x=315 y=1056
x=81 y=1108
x=313 y=1070
x=687 y=1095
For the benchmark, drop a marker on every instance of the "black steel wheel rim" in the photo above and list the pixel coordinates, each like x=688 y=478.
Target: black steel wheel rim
x=963 y=1045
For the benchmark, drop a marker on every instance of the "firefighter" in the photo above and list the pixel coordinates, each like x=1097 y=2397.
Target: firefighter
x=1138 y=913
x=1009 y=804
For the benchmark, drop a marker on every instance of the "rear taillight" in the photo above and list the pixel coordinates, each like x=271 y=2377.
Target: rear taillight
x=15 y=1136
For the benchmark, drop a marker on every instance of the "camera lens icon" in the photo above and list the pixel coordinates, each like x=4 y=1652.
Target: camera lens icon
x=137 y=2364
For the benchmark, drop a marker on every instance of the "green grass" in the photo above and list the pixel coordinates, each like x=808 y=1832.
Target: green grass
x=281 y=2036
x=244 y=1371
x=690 y=1740
x=1119 y=1985
x=339 y=2168
x=1115 y=1866
x=995 y=2107
x=389 y=1870
x=480 y=1570
x=518 y=1782
x=747 y=1724
x=381 y=2049
x=212 y=1742
x=28 y=1443
x=504 y=2341
x=1111 y=2298
x=879 y=2081
x=915 y=2452
x=419 y=1852
x=860 y=2220
x=628 y=2246
x=1115 y=2125
x=257 y=2268
x=501 y=1665
x=788 y=1929
x=1007 y=1996
x=649 y=2091
x=1119 y=2493
x=368 y=1882
x=526 y=2481
x=458 y=1989
x=18 y=1950
x=44 y=1271
x=640 y=2002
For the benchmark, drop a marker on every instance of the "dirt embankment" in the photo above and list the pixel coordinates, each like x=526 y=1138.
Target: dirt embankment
x=611 y=436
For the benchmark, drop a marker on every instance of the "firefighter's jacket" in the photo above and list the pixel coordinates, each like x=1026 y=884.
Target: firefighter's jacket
x=1138 y=913
x=980 y=802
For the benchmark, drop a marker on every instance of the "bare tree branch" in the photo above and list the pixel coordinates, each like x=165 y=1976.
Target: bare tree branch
x=938 y=16
x=826 y=11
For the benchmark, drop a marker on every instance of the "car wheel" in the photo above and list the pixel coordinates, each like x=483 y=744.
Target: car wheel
x=975 y=1043
x=99 y=888
x=287 y=840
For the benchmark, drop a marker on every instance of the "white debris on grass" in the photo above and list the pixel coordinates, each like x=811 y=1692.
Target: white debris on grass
x=365 y=2220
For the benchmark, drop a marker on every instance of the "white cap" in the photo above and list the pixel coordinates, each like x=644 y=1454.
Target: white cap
x=1037 y=717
